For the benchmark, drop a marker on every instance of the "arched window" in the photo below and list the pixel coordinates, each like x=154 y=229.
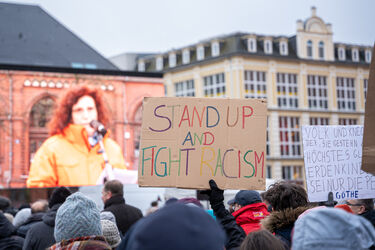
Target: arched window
x=40 y=115
x=309 y=48
x=137 y=130
x=41 y=112
x=321 y=50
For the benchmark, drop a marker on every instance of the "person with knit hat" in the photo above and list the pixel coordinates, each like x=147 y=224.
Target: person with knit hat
x=40 y=235
x=175 y=226
x=111 y=233
x=78 y=224
x=249 y=210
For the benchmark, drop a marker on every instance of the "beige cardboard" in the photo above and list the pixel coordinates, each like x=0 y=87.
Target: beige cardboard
x=368 y=152
x=165 y=143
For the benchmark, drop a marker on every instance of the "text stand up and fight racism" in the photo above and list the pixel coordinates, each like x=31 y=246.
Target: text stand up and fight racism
x=187 y=141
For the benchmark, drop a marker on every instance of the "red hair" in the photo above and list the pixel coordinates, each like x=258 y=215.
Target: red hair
x=63 y=113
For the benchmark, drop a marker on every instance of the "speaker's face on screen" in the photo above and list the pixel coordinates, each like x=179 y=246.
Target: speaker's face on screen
x=83 y=112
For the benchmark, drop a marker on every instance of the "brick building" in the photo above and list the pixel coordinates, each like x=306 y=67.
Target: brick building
x=39 y=59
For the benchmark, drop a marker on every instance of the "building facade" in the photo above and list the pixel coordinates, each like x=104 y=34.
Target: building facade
x=307 y=79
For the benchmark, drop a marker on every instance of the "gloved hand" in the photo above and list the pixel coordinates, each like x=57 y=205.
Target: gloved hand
x=216 y=194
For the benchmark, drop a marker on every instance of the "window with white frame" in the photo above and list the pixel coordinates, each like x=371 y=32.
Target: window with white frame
x=268 y=46
x=355 y=55
x=321 y=50
x=341 y=52
x=215 y=48
x=368 y=56
x=283 y=48
x=290 y=144
x=309 y=48
x=365 y=85
x=345 y=90
x=255 y=84
x=159 y=63
x=200 y=52
x=319 y=121
x=186 y=56
x=287 y=89
x=251 y=45
x=292 y=172
x=184 y=88
x=317 y=92
x=214 y=85
x=347 y=121
x=141 y=66
x=172 y=60
x=269 y=172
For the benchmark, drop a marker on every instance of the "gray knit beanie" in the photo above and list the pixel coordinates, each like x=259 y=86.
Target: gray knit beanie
x=111 y=233
x=78 y=216
x=107 y=215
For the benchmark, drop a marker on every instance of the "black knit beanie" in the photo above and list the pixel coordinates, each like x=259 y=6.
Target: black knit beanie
x=58 y=196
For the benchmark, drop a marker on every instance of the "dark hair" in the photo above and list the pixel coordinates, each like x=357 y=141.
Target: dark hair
x=367 y=203
x=63 y=114
x=262 y=239
x=283 y=195
x=154 y=204
x=4 y=203
x=115 y=187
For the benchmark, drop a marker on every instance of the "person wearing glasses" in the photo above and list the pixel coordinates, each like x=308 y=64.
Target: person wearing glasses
x=364 y=208
x=72 y=155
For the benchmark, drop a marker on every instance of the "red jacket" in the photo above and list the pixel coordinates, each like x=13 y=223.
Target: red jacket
x=249 y=217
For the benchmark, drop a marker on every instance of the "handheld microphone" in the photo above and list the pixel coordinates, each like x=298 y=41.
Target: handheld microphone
x=98 y=127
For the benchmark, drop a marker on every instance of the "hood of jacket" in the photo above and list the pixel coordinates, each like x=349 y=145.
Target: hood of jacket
x=278 y=220
x=251 y=215
x=49 y=217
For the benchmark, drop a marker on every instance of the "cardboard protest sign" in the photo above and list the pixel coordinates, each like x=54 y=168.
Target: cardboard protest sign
x=333 y=156
x=185 y=142
x=368 y=158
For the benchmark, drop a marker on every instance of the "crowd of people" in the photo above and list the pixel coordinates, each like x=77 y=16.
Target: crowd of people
x=279 y=218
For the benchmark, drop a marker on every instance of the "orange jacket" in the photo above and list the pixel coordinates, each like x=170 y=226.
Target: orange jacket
x=67 y=159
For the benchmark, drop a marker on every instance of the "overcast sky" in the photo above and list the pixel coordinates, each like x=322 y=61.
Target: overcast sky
x=113 y=27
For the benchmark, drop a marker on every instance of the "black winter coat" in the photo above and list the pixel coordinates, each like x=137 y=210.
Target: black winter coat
x=40 y=235
x=370 y=216
x=7 y=238
x=34 y=218
x=125 y=215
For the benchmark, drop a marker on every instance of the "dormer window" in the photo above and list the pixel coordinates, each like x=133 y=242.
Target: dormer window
x=309 y=49
x=159 y=63
x=215 y=48
x=321 y=50
x=172 y=60
x=200 y=52
x=341 y=52
x=141 y=66
x=267 y=46
x=368 y=56
x=283 y=48
x=355 y=55
x=251 y=45
x=186 y=56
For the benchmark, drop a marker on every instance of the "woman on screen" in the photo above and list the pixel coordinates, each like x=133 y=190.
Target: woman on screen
x=72 y=155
